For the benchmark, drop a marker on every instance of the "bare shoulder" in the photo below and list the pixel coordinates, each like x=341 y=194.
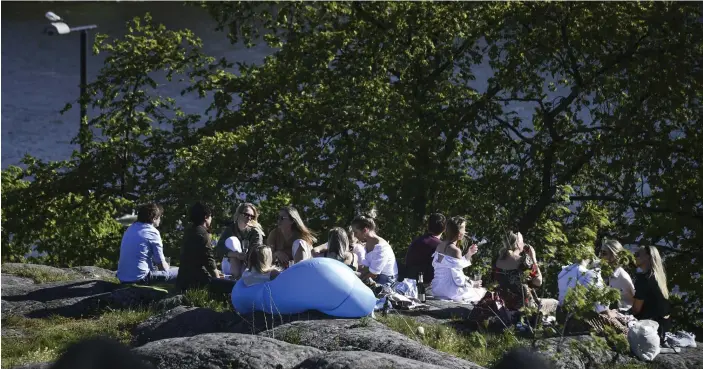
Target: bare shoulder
x=453 y=251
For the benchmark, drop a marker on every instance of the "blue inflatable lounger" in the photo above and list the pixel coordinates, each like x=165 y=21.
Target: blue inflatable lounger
x=321 y=284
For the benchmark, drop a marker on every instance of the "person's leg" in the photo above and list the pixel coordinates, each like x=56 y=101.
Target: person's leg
x=385 y=280
x=235 y=268
x=162 y=276
x=221 y=286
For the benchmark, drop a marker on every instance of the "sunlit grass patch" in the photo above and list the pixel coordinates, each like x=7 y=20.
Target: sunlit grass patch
x=46 y=339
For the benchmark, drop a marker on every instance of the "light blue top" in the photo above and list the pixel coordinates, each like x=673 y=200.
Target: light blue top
x=141 y=247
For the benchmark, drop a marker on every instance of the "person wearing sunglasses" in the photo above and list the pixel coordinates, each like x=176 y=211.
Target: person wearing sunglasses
x=291 y=241
x=651 y=300
x=238 y=239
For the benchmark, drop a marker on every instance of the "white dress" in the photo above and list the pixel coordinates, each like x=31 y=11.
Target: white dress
x=621 y=281
x=450 y=282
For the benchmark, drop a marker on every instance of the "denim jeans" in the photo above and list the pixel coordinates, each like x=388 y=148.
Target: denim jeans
x=386 y=280
x=158 y=276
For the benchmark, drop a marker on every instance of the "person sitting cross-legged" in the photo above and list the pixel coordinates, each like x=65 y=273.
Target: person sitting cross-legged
x=198 y=268
x=141 y=248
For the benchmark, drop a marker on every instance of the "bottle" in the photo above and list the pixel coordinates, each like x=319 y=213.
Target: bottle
x=386 y=306
x=421 y=288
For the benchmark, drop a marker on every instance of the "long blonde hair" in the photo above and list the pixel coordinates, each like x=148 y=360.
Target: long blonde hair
x=299 y=227
x=511 y=242
x=252 y=222
x=261 y=259
x=656 y=268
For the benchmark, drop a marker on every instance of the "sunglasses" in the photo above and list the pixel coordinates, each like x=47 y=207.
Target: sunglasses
x=282 y=218
x=248 y=216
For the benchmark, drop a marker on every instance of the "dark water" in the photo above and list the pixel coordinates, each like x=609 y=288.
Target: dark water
x=41 y=73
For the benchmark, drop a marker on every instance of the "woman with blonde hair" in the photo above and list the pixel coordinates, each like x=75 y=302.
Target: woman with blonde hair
x=611 y=252
x=291 y=241
x=237 y=240
x=651 y=300
x=449 y=280
x=261 y=267
x=514 y=288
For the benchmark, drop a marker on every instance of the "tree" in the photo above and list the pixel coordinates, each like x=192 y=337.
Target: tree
x=566 y=121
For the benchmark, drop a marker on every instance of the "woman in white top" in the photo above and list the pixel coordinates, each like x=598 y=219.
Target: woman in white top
x=579 y=274
x=379 y=264
x=620 y=280
x=292 y=227
x=449 y=280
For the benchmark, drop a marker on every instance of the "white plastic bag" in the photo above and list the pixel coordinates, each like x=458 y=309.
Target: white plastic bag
x=408 y=287
x=643 y=337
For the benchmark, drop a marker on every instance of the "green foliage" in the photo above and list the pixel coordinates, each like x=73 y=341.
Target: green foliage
x=44 y=340
x=566 y=121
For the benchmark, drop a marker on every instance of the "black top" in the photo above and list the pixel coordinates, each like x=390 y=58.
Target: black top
x=419 y=257
x=655 y=306
x=197 y=259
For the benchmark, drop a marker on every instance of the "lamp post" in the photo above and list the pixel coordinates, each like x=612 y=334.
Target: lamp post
x=59 y=27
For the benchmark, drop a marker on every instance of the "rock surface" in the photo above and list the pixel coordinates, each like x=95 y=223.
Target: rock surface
x=56 y=274
x=183 y=321
x=224 y=350
x=13 y=280
x=362 y=335
x=585 y=357
x=73 y=298
x=361 y=360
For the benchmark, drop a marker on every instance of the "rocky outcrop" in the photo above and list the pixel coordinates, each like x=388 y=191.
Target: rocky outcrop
x=224 y=350
x=580 y=353
x=183 y=322
x=233 y=350
x=49 y=273
x=362 y=335
x=74 y=298
x=361 y=360
x=13 y=280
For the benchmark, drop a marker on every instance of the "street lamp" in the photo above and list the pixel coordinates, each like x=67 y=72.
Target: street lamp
x=59 y=27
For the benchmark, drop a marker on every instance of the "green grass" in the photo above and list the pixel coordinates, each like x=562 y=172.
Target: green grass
x=41 y=275
x=46 y=275
x=201 y=297
x=475 y=347
x=47 y=338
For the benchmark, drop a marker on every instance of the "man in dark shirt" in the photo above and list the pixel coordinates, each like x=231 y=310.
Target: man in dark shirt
x=419 y=256
x=198 y=267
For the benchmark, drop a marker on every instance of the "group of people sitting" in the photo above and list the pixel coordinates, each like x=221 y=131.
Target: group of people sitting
x=244 y=253
x=518 y=275
x=438 y=255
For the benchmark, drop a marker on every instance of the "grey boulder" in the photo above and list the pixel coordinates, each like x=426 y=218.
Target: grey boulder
x=224 y=350
x=183 y=321
x=362 y=335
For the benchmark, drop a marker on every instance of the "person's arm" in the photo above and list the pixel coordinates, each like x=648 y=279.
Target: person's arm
x=636 y=306
x=319 y=250
x=641 y=290
x=157 y=249
x=207 y=253
x=375 y=261
x=221 y=249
